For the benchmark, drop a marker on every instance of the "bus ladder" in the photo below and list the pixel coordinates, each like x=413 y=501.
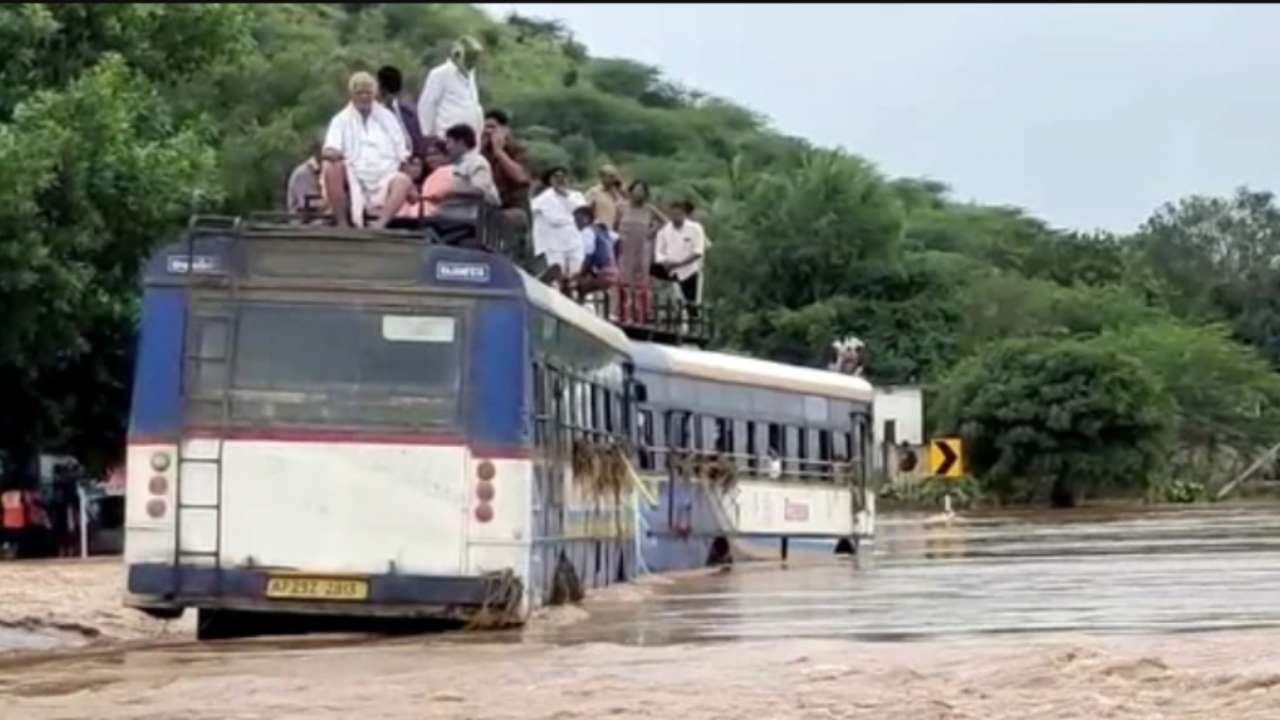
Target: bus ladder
x=198 y=225
x=183 y=507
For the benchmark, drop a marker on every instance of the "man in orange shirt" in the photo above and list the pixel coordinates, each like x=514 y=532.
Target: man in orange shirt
x=13 y=515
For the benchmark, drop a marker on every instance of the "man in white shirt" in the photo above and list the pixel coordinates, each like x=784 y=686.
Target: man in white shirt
x=679 y=249
x=555 y=234
x=449 y=94
x=364 y=149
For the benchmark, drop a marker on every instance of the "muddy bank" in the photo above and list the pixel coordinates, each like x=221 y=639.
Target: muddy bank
x=71 y=603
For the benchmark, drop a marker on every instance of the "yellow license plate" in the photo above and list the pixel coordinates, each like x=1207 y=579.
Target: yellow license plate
x=306 y=588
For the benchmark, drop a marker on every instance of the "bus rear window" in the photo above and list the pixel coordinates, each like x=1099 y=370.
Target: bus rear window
x=319 y=348
x=304 y=365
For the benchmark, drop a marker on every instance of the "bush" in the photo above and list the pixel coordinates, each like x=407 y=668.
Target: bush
x=1057 y=420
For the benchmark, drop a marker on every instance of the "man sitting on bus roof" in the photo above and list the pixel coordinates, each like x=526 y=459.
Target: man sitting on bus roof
x=363 y=153
x=303 y=192
x=472 y=175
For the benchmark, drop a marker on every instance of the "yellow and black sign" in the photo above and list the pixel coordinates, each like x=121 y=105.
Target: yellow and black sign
x=946 y=457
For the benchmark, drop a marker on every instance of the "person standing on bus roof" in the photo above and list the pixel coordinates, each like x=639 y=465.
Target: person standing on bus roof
x=555 y=235
x=678 y=251
x=364 y=149
x=449 y=94
x=638 y=222
x=607 y=197
x=390 y=83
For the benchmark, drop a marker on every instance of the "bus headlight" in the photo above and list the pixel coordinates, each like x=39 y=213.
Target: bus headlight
x=160 y=461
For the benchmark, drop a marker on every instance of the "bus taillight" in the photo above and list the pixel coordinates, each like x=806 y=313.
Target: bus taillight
x=160 y=461
x=159 y=485
x=485 y=472
x=156 y=508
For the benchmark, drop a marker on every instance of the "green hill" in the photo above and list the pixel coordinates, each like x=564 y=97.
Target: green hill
x=125 y=118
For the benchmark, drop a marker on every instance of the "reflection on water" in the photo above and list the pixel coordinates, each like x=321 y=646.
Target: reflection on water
x=1152 y=571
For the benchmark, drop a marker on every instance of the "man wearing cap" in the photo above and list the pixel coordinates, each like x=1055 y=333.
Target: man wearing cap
x=449 y=94
x=607 y=196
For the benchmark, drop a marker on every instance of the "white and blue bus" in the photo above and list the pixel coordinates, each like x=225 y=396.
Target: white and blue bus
x=357 y=422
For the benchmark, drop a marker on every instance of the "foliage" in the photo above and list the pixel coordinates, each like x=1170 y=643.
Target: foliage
x=1219 y=258
x=965 y=492
x=107 y=170
x=1181 y=491
x=124 y=118
x=1058 y=420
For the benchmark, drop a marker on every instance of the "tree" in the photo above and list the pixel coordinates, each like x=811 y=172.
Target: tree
x=1058 y=420
x=1218 y=258
x=1226 y=395
x=107 y=171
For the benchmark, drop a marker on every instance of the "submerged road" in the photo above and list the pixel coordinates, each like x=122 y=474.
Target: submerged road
x=1125 y=614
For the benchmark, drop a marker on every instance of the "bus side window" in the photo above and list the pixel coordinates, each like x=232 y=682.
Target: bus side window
x=540 y=409
x=724 y=435
x=208 y=354
x=826 y=453
x=753 y=461
x=646 y=439
x=595 y=421
x=802 y=450
x=609 y=424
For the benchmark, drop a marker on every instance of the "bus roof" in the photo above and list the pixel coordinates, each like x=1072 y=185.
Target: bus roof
x=740 y=370
x=215 y=249
x=555 y=303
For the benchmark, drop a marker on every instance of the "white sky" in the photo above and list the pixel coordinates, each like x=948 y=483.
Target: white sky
x=1089 y=116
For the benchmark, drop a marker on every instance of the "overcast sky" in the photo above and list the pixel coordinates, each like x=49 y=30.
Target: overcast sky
x=1088 y=116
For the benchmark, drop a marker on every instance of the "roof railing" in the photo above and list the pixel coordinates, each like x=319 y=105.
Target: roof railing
x=637 y=310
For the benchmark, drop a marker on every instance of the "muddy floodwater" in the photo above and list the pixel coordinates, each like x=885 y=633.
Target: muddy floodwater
x=1091 y=614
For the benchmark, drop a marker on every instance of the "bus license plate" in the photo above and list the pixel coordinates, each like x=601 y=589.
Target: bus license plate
x=304 y=588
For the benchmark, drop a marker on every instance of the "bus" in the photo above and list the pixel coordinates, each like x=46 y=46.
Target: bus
x=738 y=451
x=346 y=422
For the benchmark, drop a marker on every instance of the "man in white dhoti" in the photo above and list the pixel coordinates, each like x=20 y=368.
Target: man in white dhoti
x=364 y=150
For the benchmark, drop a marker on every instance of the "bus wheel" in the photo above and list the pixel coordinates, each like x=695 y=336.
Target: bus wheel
x=164 y=613
x=214 y=624
x=720 y=553
x=845 y=547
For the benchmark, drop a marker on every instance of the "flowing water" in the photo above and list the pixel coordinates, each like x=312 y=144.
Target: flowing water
x=1087 y=614
x=1148 y=572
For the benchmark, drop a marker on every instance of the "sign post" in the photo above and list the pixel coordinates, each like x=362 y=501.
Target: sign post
x=946 y=459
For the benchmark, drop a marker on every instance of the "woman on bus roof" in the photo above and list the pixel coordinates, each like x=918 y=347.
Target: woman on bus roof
x=638 y=224
x=433 y=174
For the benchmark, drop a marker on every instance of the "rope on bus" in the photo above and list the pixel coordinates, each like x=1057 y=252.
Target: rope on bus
x=501 y=605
